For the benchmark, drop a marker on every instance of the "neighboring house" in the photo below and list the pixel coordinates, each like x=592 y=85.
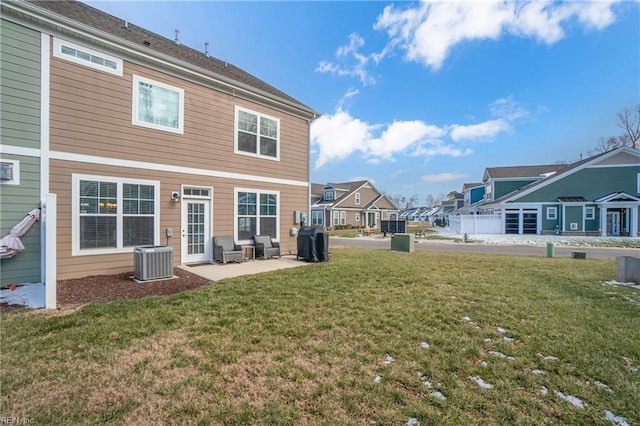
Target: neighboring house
x=596 y=196
x=144 y=142
x=473 y=194
x=358 y=204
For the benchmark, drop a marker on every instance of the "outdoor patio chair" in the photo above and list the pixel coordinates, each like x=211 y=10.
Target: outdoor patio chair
x=225 y=250
x=265 y=247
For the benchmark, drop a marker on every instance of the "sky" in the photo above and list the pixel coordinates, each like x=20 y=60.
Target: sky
x=421 y=97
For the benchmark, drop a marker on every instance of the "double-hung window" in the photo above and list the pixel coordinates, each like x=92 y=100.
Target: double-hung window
x=317 y=217
x=257 y=134
x=112 y=215
x=257 y=213
x=157 y=105
x=357 y=198
x=589 y=213
x=552 y=213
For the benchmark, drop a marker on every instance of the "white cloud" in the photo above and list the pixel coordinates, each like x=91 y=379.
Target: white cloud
x=353 y=62
x=338 y=136
x=439 y=148
x=443 y=177
x=428 y=31
x=486 y=130
x=508 y=109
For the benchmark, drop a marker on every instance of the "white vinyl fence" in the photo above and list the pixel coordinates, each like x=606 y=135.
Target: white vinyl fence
x=476 y=224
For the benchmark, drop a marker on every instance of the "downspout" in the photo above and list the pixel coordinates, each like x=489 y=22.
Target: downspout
x=309 y=168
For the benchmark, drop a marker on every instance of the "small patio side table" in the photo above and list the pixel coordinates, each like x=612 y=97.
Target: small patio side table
x=248 y=253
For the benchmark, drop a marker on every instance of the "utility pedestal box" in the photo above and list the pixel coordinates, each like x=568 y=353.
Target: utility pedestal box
x=402 y=242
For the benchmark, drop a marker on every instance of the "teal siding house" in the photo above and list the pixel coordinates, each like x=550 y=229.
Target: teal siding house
x=20 y=140
x=598 y=196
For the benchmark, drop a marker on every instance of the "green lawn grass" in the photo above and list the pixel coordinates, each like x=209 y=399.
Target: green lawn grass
x=305 y=345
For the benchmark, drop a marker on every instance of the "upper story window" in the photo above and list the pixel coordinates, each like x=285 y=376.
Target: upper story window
x=357 y=198
x=157 y=105
x=257 y=134
x=329 y=195
x=82 y=55
x=487 y=192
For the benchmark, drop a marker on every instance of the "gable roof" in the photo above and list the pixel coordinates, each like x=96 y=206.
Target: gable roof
x=466 y=186
x=148 y=42
x=521 y=171
x=570 y=169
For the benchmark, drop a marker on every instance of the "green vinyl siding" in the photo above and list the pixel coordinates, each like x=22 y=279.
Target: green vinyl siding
x=15 y=202
x=19 y=86
x=504 y=187
x=20 y=126
x=573 y=214
x=590 y=183
x=592 y=224
x=550 y=224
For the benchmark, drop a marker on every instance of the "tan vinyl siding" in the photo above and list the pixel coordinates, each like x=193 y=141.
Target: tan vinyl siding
x=366 y=196
x=291 y=198
x=91 y=113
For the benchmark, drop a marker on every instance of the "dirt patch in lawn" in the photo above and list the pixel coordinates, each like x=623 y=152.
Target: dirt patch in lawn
x=109 y=288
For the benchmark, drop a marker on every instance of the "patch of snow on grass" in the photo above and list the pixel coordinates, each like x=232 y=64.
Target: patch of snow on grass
x=482 y=383
x=620 y=421
x=439 y=395
x=377 y=379
x=501 y=330
x=537 y=372
x=576 y=402
x=603 y=386
x=484 y=364
x=548 y=357
x=466 y=318
x=544 y=390
x=388 y=359
x=487 y=340
x=424 y=345
x=501 y=355
x=508 y=339
x=413 y=422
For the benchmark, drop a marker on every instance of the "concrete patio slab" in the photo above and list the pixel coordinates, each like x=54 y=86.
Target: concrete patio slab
x=218 y=271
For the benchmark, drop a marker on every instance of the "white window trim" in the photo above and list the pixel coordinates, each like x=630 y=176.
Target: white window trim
x=551 y=210
x=134 y=101
x=336 y=218
x=75 y=213
x=638 y=188
x=57 y=52
x=357 y=217
x=329 y=196
x=15 y=180
x=589 y=213
x=357 y=198
x=343 y=217
x=257 y=154
x=235 y=212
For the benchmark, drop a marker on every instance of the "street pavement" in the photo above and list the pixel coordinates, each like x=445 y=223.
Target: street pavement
x=378 y=242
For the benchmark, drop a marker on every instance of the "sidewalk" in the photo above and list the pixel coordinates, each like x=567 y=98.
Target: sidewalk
x=218 y=271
